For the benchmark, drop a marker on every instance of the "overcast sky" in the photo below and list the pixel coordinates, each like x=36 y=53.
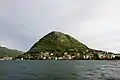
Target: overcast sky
x=96 y=23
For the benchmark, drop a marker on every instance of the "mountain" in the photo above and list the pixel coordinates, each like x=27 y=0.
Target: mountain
x=57 y=42
x=9 y=52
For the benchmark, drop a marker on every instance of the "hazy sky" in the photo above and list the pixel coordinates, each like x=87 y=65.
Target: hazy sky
x=96 y=23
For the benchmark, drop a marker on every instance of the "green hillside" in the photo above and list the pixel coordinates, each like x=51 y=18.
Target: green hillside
x=9 y=52
x=57 y=42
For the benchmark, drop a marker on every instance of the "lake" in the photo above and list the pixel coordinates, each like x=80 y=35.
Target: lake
x=60 y=70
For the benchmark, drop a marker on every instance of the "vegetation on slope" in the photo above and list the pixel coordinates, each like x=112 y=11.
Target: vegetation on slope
x=57 y=42
x=9 y=52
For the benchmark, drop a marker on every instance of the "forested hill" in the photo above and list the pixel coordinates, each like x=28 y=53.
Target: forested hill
x=58 y=42
x=9 y=52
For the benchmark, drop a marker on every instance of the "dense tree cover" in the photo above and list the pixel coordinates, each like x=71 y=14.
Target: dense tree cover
x=9 y=52
x=58 y=43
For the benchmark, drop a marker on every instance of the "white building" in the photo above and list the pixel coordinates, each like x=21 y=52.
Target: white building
x=56 y=58
x=44 y=58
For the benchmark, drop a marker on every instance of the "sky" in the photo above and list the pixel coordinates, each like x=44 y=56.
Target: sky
x=96 y=23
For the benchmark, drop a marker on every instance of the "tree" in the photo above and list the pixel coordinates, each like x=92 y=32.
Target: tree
x=95 y=56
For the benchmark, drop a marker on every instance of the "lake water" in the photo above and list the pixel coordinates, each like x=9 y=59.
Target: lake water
x=60 y=70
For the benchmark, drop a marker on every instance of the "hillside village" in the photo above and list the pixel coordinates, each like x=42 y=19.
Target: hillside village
x=93 y=55
x=96 y=55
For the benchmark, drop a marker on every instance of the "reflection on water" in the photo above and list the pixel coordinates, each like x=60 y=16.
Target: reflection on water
x=60 y=70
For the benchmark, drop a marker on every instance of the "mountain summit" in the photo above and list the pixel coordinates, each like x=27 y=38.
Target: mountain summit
x=57 y=42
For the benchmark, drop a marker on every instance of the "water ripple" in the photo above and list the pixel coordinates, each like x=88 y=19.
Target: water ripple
x=60 y=70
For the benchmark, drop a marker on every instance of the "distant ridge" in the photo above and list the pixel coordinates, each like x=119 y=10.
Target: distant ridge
x=9 y=52
x=57 y=42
